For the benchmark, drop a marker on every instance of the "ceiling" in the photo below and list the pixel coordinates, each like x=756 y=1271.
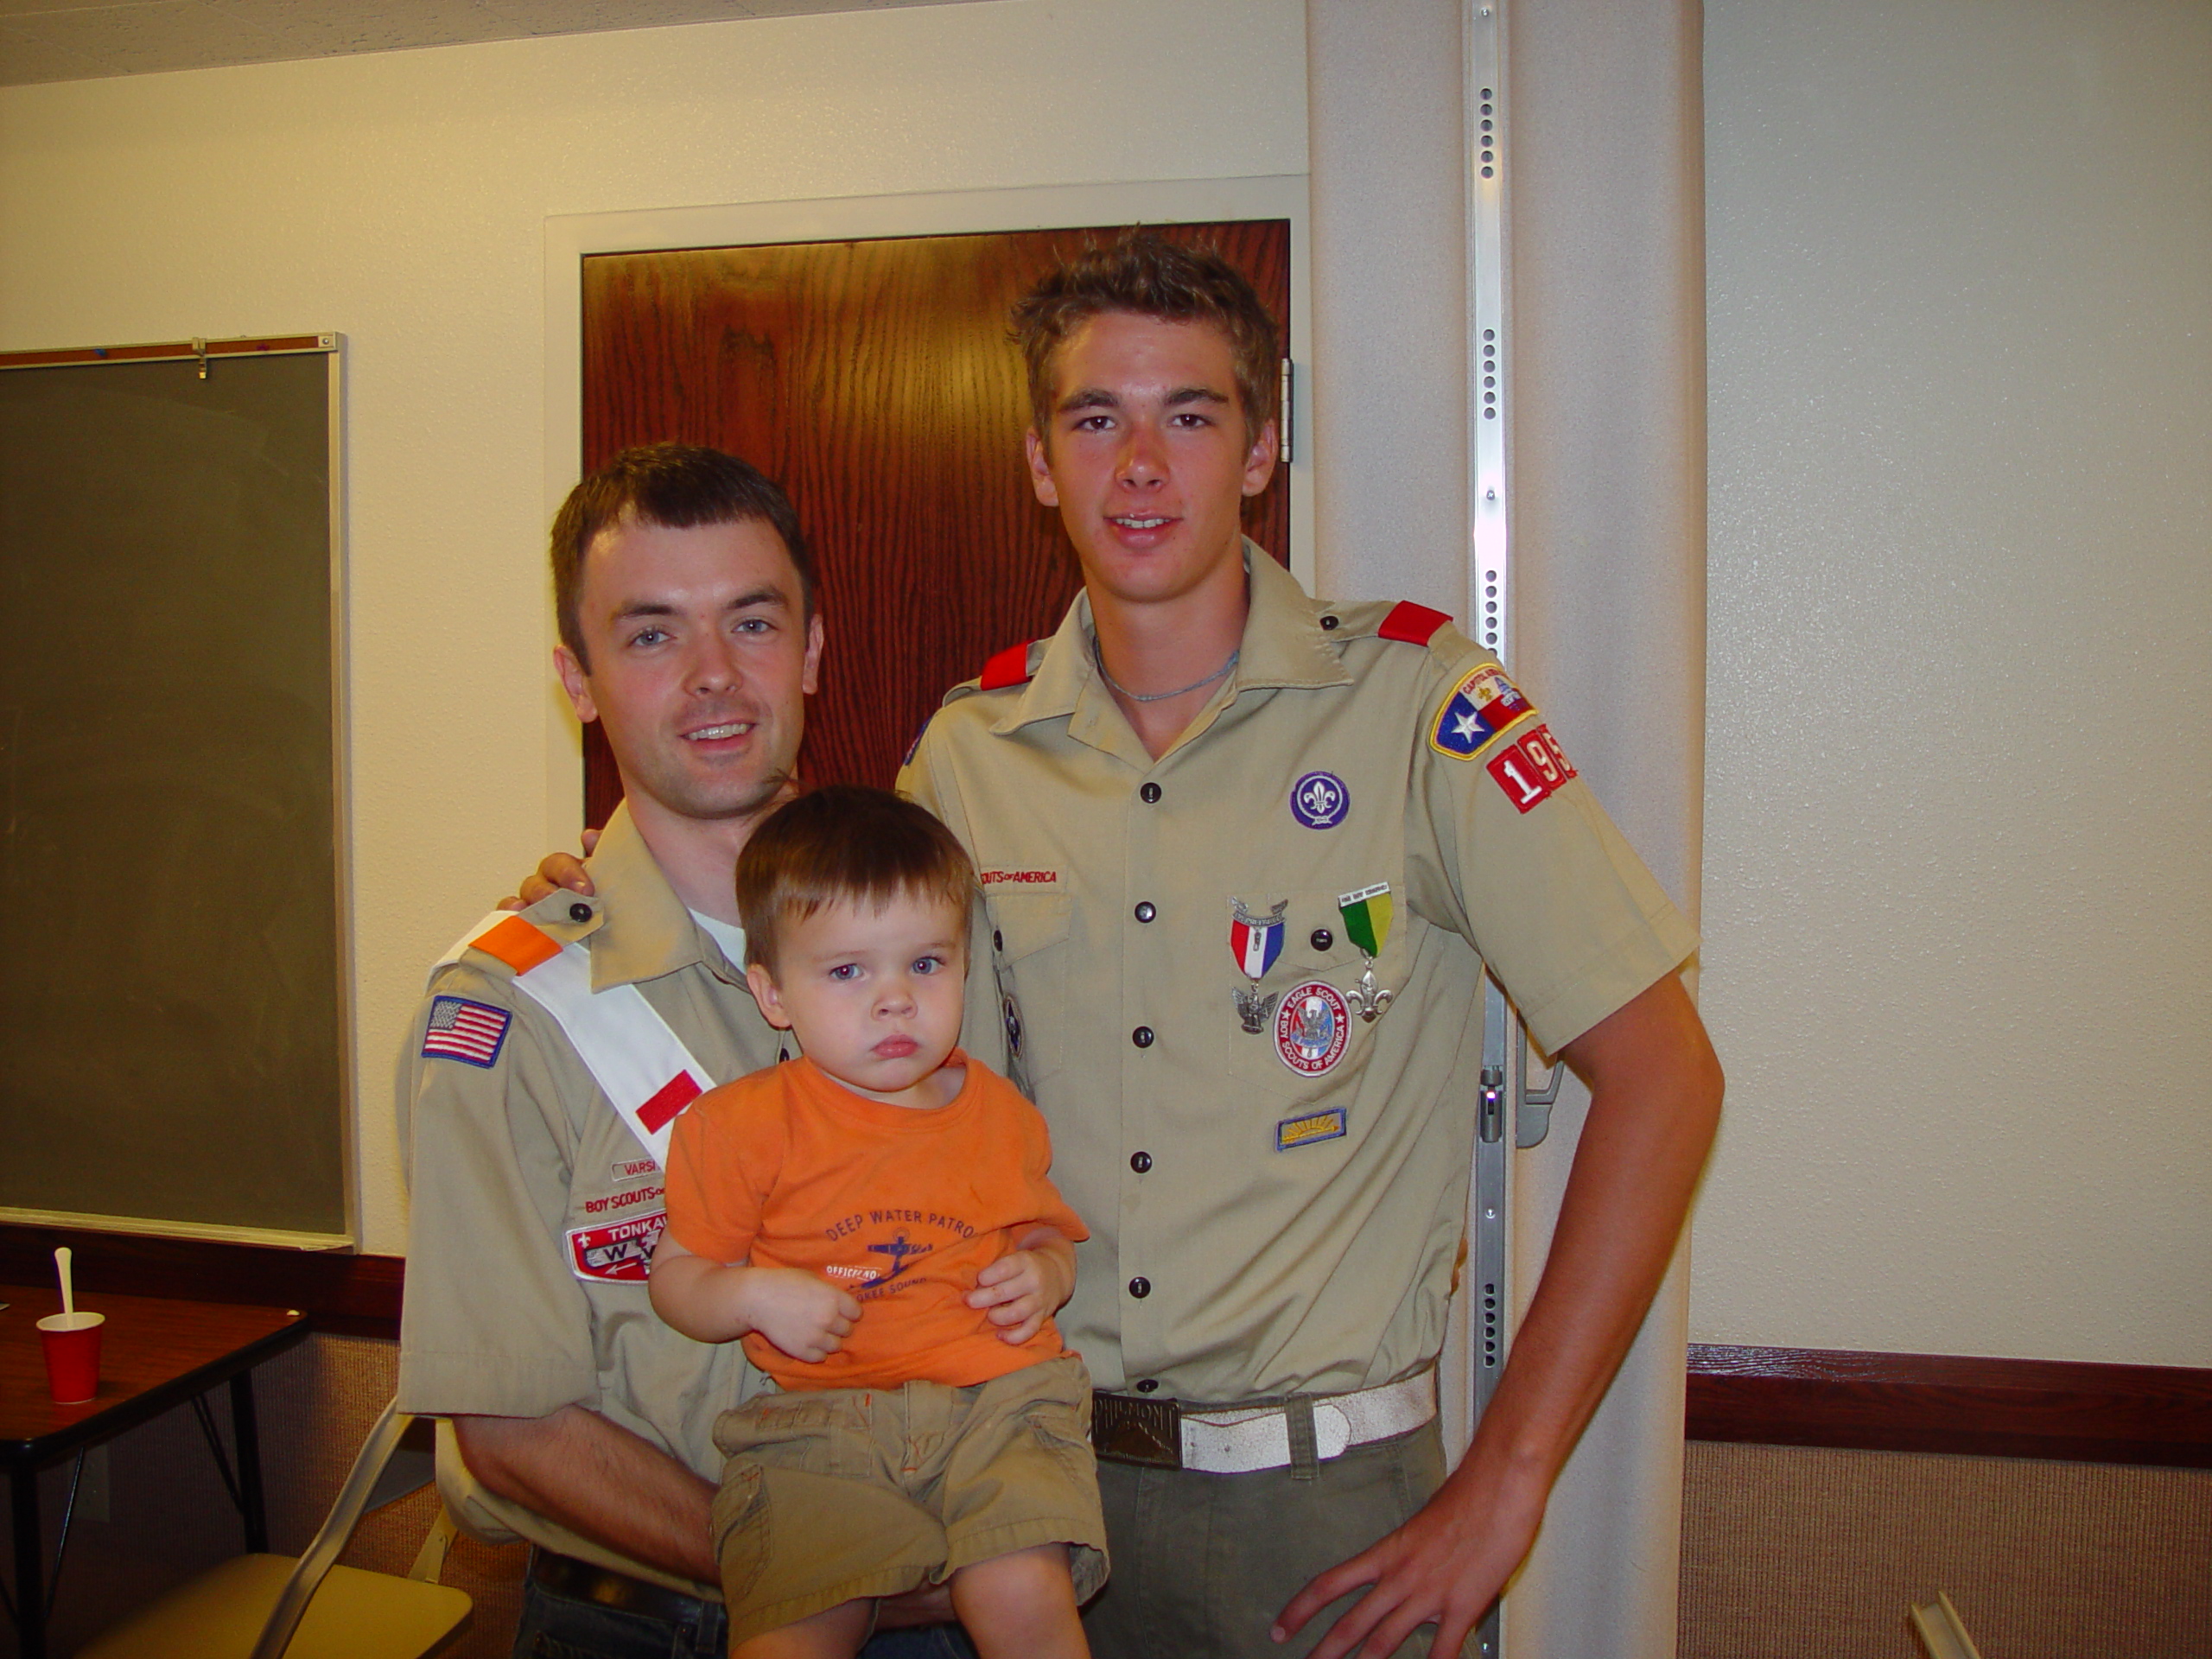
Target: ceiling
x=86 y=40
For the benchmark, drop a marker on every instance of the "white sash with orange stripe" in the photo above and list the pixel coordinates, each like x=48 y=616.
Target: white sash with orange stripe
x=639 y=1063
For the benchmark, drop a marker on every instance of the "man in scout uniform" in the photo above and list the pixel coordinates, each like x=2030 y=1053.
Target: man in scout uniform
x=557 y=1047
x=1245 y=854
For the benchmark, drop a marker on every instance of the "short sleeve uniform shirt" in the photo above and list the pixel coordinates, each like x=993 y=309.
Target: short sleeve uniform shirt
x=1275 y=1186
x=534 y=1209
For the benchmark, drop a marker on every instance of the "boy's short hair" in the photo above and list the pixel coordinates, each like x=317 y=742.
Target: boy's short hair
x=1145 y=273
x=673 y=487
x=844 y=843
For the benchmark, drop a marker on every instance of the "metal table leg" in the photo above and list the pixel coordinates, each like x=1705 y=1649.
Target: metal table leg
x=30 y=1572
x=245 y=1434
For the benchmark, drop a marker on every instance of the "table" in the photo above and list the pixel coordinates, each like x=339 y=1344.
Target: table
x=156 y=1353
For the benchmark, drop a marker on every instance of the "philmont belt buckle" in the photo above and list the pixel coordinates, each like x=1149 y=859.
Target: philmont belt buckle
x=1130 y=1430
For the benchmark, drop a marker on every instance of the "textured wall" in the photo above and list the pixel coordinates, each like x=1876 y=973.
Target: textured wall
x=1958 y=857
x=1796 y=1553
x=401 y=198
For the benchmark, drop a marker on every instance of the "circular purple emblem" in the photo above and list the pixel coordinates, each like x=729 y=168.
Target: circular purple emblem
x=1319 y=800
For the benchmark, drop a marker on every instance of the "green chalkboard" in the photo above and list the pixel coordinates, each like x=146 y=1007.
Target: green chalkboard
x=171 y=1018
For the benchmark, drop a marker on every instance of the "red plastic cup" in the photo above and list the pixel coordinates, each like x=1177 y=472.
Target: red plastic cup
x=72 y=1356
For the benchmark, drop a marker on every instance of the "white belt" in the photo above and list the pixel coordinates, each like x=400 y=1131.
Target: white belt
x=1231 y=1442
x=1235 y=1439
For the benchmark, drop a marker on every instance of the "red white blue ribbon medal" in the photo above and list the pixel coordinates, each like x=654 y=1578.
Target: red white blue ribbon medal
x=1255 y=942
x=1367 y=924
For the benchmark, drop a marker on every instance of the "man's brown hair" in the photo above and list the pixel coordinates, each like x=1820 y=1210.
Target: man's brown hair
x=843 y=843
x=1145 y=273
x=675 y=486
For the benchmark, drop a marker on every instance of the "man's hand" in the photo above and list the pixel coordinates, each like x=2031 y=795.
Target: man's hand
x=1447 y=1564
x=806 y=1317
x=1026 y=1286
x=555 y=871
x=1655 y=1102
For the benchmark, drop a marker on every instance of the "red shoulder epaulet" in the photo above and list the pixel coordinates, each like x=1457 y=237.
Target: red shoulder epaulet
x=1412 y=623
x=1008 y=667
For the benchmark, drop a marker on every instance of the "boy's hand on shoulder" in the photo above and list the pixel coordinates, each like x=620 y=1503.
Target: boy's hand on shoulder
x=806 y=1317
x=1022 y=1289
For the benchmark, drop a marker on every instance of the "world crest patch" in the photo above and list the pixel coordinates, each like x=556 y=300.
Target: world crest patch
x=1481 y=705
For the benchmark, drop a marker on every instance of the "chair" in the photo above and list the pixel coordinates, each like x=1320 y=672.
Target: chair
x=273 y=1608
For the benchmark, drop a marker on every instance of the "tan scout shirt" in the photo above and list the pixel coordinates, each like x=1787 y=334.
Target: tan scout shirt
x=1278 y=1212
x=525 y=1288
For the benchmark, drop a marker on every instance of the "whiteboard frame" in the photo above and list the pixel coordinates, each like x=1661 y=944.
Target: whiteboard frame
x=331 y=345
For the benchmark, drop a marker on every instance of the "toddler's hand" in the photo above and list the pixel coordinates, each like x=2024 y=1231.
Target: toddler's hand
x=806 y=1317
x=1022 y=1289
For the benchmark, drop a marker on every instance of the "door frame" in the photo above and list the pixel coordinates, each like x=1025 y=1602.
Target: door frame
x=571 y=236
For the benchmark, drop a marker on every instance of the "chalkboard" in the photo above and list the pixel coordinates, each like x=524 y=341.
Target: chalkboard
x=172 y=1033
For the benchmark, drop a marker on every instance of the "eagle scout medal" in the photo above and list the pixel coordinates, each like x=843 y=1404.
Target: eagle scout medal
x=1255 y=942
x=1367 y=924
x=1312 y=1028
x=1481 y=706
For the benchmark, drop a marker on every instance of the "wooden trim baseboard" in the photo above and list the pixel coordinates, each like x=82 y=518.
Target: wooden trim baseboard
x=339 y=1290
x=2159 y=1415
x=1942 y=1402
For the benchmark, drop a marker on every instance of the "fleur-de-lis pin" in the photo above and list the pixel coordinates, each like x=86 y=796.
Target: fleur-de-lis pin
x=1367 y=924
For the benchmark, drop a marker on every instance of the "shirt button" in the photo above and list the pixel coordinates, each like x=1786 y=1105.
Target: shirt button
x=1149 y=793
x=579 y=912
x=998 y=941
x=1142 y=1036
x=1148 y=1385
x=1144 y=912
x=1323 y=938
x=1141 y=1162
x=1140 y=1289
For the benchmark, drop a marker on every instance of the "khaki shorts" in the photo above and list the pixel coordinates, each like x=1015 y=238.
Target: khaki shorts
x=837 y=1493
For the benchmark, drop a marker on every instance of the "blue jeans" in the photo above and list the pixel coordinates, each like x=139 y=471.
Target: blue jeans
x=559 y=1627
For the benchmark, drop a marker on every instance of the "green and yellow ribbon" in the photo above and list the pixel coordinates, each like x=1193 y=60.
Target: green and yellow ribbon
x=1367 y=917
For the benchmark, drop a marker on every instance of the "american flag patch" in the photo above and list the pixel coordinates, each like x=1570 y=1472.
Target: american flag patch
x=461 y=1030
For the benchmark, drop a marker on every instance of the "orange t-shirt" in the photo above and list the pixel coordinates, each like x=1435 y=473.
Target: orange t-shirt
x=902 y=1206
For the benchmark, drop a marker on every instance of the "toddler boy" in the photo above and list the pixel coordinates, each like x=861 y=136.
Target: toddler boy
x=896 y=1253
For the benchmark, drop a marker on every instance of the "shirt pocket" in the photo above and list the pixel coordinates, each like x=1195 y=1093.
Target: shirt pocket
x=1305 y=1005
x=1029 y=945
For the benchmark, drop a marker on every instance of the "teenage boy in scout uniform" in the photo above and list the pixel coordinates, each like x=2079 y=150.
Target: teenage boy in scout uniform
x=1245 y=854
x=555 y=1047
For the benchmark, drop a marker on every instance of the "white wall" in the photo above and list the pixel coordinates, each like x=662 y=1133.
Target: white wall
x=1956 y=909
x=1958 y=890
x=401 y=199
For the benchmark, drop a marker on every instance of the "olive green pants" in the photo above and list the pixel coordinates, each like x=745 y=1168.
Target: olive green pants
x=1202 y=1564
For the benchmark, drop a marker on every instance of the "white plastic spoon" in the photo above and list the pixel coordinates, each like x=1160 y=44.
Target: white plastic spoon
x=68 y=1291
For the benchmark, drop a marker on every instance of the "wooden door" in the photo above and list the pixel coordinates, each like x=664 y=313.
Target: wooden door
x=875 y=382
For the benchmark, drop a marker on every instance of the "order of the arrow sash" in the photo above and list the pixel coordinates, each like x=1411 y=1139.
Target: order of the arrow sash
x=642 y=1066
x=1367 y=917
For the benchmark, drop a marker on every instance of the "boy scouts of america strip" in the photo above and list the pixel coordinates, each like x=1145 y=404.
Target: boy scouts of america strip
x=1481 y=706
x=466 y=1031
